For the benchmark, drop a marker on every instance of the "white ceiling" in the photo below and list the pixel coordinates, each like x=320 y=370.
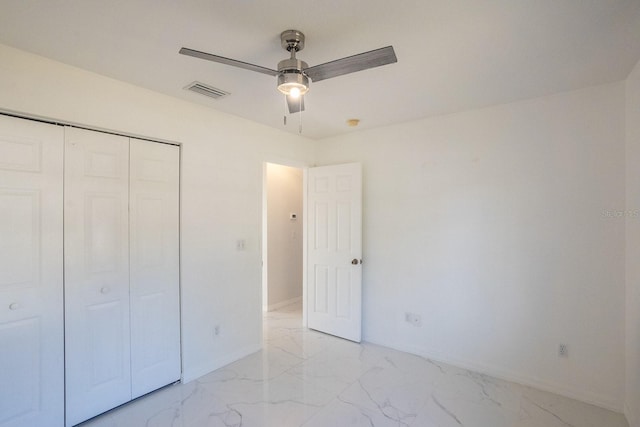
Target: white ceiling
x=453 y=55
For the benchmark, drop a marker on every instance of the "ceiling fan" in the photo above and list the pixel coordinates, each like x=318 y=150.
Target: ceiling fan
x=293 y=74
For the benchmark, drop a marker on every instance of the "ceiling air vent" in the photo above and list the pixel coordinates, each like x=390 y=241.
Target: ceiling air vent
x=206 y=90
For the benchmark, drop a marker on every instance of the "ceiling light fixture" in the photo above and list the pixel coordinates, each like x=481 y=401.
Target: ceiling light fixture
x=292 y=80
x=293 y=83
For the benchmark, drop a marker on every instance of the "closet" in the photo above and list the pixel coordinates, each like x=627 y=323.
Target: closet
x=121 y=270
x=31 y=274
x=110 y=330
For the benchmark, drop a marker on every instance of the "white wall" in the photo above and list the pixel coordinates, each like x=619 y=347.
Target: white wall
x=494 y=226
x=222 y=164
x=497 y=226
x=284 y=236
x=632 y=216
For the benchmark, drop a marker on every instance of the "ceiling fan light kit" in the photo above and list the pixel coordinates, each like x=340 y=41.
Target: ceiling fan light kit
x=294 y=75
x=293 y=81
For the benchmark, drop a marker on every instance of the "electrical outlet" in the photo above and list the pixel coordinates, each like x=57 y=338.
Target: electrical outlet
x=563 y=351
x=240 y=245
x=216 y=330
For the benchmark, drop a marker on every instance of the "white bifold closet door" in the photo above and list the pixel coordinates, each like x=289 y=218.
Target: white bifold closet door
x=31 y=317
x=97 y=330
x=121 y=263
x=155 y=298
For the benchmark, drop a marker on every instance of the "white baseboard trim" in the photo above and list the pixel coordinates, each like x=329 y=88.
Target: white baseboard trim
x=190 y=374
x=284 y=303
x=630 y=415
x=507 y=375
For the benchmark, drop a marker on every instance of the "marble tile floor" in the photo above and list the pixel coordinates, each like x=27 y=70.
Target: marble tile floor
x=308 y=379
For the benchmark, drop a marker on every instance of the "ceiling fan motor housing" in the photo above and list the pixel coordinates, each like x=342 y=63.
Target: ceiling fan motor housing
x=292 y=65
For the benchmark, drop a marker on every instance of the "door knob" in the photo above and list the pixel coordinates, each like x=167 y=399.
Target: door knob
x=105 y=290
x=14 y=306
x=354 y=261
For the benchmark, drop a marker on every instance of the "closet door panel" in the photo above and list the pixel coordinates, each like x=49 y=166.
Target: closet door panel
x=155 y=298
x=97 y=339
x=31 y=317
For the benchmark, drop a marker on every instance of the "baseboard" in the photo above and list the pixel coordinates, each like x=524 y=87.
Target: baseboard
x=630 y=415
x=284 y=303
x=189 y=375
x=507 y=375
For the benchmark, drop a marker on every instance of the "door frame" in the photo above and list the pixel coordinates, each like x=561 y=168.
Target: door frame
x=304 y=166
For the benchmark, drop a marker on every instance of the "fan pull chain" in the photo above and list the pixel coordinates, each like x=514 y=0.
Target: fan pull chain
x=285 y=111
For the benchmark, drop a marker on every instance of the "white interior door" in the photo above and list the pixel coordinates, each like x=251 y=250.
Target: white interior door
x=31 y=317
x=334 y=250
x=155 y=295
x=97 y=363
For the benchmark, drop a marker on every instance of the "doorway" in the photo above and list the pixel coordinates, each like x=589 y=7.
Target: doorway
x=321 y=251
x=282 y=237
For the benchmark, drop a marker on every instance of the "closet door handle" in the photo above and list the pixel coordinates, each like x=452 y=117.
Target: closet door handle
x=14 y=306
x=105 y=290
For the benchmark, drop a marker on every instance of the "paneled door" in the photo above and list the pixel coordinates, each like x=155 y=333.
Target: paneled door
x=155 y=298
x=31 y=317
x=334 y=250
x=97 y=338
